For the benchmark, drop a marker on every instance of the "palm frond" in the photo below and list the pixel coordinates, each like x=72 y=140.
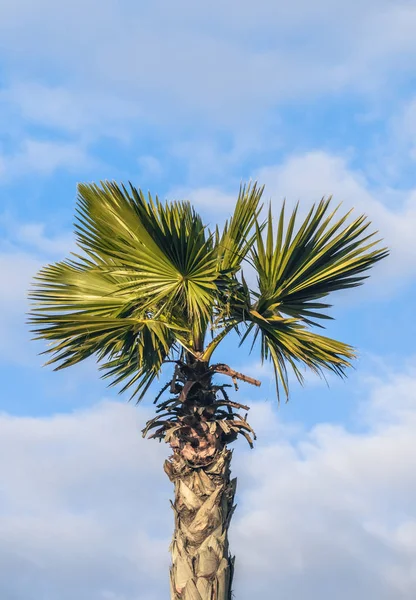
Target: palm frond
x=143 y=286
x=296 y=267
x=237 y=239
x=162 y=251
x=82 y=309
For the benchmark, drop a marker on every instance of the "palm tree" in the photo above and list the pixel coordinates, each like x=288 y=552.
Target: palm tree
x=153 y=285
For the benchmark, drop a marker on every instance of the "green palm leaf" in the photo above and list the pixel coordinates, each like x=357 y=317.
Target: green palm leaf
x=148 y=270
x=150 y=280
x=297 y=267
x=236 y=241
x=162 y=251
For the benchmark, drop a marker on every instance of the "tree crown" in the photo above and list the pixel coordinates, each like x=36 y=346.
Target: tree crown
x=153 y=283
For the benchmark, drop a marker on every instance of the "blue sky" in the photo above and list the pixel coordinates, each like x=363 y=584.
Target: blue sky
x=187 y=101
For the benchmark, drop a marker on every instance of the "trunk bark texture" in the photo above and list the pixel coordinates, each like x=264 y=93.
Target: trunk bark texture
x=202 y=568
x=198 y=422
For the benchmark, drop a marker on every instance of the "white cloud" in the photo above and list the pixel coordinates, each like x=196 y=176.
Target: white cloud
x=223 y=62
x=45 y=157
x=57 y=539
x=210 y=69
x=334 y=506
x=85 y=510
x=68 y=110
x=71 y=120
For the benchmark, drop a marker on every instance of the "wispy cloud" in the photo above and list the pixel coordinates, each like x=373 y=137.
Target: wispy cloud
x=84 y=113
x=42 y=157
x=240 y=65
x=24 y=248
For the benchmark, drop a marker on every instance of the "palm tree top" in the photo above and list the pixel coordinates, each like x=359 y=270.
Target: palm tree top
x=153 y=284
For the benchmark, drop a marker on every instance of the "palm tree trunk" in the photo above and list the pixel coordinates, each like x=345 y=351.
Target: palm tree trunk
x=202 y=568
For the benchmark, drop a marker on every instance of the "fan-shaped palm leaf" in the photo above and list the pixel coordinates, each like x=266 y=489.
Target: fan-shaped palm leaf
x=297 y=267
